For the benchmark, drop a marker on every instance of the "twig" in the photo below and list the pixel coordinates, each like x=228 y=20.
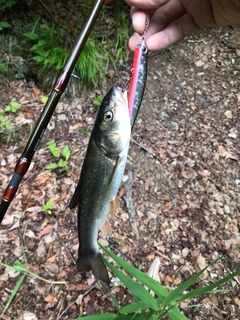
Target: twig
x=112 y=246
x=180 y=84
x=60 y=240
x=142 y=147
x=80 y=297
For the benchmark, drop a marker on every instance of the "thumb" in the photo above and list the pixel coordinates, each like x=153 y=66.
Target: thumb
x=146 y=4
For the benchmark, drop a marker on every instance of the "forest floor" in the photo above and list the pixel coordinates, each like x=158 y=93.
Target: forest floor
x=184 y=158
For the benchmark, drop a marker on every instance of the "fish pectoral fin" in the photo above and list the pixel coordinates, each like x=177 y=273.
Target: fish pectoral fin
x=114 y=204
x=106 y=229
x=115 y=168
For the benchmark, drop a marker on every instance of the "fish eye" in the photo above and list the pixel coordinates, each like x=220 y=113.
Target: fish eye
x=108 y=116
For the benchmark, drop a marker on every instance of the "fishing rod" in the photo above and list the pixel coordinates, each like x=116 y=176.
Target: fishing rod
x=58 y=88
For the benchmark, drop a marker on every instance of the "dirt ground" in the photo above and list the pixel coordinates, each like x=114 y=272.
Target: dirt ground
x=184 y=159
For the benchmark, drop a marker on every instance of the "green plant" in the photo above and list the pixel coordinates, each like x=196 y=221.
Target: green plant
x=147 y=306
x=13 y=107
x=64 y=156
x=47 y=207
x=6 y=4
x=97 y=102
x=4 y=25
x=19 y=267
x=5 y=123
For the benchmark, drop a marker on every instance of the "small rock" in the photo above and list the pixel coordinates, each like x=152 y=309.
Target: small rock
x=151 y=215
x=237 y=52
x=185 y=252
x=227 y=209
x=174 y=126
x=199 y=63
x=27 y=315
x=228 y=114
x=237 y=181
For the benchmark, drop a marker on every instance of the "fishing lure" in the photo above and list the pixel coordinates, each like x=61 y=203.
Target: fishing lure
x=138 y=78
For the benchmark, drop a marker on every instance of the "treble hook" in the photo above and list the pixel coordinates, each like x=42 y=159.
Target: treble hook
x=124 y=87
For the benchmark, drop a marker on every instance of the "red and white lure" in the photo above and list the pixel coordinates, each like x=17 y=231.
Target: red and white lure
x=138 y=76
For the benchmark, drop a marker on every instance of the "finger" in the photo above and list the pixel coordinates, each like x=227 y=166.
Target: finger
x=139 y=17
x=165 y=15
x=146 y=4
x=174 y=32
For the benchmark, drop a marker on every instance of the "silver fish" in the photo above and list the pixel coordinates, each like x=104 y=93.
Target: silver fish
x=100 y=178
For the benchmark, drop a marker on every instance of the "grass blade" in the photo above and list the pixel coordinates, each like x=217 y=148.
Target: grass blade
x=15 y=290
x=139 y=275
x=208 y=289
x=148 y=281
x=135 y=287
x=174 y=295
x=103 y=316
x=111 y=295
x=134 y=307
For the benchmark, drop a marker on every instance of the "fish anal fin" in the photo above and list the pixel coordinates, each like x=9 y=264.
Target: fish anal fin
x=114 y=204
x=106 y=229
x=117 y=203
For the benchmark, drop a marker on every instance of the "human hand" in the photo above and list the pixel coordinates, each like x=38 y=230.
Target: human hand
x=172 y=20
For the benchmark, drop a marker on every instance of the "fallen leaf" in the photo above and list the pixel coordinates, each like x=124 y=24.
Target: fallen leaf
x=226 y=154
x=51 y=259
x=49 y=298
x=46 y=230
x=78 y=287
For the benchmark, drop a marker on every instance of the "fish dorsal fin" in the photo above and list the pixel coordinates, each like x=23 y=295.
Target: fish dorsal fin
x=106 y=229
x=117 y=163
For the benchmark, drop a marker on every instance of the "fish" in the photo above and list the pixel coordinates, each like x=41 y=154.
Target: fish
x=100 y=178
x=138 y=77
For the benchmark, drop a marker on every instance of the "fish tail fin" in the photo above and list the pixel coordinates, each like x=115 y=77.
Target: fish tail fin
x=95 y=264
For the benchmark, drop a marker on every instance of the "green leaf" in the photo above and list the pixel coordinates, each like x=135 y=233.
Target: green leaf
x=111 y=295
x=14 y=292
x=98 y=101
x=53 y=148
x=66 y=152
x=174 y=295
x=134 y=307
x=139 y=275
x=4 y=24
x=19 y=266
x=135 y=287
x=8 y=125
x=52 y=166
x=44 y=99
x=103 y=316
x=136 y=316
x=7 y=109
x=15 y=106
x=3 y=67
x=31 y=35
x=208 y=289
x=47 y=206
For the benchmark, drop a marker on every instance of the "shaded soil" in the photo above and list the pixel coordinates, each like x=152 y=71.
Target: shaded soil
x=184 y=158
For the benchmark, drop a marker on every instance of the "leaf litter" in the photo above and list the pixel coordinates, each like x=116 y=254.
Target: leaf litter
x=184 y=163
